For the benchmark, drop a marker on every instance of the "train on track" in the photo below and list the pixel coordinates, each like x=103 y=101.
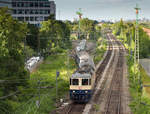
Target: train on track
x=82 y=80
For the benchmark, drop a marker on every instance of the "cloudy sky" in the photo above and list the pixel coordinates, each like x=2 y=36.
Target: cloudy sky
x=102 y=9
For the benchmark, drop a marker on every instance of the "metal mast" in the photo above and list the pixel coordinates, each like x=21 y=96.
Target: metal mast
x=136 y=49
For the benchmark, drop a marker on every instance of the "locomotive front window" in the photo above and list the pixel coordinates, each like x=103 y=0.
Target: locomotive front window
x=75 y=82
x=84 y=81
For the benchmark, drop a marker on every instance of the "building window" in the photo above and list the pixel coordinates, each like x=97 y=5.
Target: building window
x=27 y=12
x=21 y=18
x=20 y=11
x=22 y=4
x=31 y=4
x=26 y=4
x=45 y=18
x=46 y=4
x=31 y=18
x=14 y=11
x=41 y=4
x=36 y=12
x=36 y=4
x=31 y=12
x=14 y=4
x=41 y=11
x=19 y=4
x=26 y=18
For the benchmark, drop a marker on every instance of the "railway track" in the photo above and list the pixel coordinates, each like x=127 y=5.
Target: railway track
x=78 y=108
x=100 y=71
x=109 y=93
x=113 y=103
x=75 y=108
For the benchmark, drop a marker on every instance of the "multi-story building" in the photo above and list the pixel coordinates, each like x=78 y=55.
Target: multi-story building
x=5 y=3
x=33 y=11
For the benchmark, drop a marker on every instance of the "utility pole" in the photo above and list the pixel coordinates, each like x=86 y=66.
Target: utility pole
x=38 y=101
x=136 y=49
x=137 y=55
x=57 y=75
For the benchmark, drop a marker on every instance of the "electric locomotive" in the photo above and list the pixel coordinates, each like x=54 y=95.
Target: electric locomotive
x=82 y=80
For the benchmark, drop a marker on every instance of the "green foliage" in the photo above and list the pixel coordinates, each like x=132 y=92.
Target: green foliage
x=29 y=52
x=54 y=34
x=47 y=74
x=140 y=103
x=32 y=36
x=144 y=44
x=126 y=33
x=12 y=34
x=100 y=50
x=87 y=26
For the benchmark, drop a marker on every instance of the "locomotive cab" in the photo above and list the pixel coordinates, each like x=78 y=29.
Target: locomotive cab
x=80 y=88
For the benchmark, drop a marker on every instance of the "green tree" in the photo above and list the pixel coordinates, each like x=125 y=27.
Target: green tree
x=32 y=36
x=54 y=35
x=12 y=34
x=87 y=26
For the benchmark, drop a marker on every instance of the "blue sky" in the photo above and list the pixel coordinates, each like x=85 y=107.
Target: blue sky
x=102 y=9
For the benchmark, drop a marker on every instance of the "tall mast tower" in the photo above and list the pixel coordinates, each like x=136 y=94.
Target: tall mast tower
x=136 y=49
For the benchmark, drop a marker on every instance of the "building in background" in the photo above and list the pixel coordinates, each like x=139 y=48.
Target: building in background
x=5 y=3
x=33 y=11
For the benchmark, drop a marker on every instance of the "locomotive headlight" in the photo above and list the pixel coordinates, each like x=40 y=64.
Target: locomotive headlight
x=73 y=91
x=86 y=91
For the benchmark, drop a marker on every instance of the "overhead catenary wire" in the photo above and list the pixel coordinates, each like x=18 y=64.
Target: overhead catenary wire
x=12 y=94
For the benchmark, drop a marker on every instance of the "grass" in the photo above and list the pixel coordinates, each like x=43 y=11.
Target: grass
x=46 y=74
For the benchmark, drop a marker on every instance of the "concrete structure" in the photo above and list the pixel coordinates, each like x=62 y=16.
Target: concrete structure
x=33 y=11
x=5 y=3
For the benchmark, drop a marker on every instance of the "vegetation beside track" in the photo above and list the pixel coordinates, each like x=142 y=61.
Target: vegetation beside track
x=140 y=98
x=140 y=102
x=100 y=50
x=46 y=78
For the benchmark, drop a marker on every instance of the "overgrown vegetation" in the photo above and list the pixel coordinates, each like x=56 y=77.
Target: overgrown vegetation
x=12 y=73
x=100 y=49
x=15 y=83
x=140 y=100
x=125 y=31
x=43 y=85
